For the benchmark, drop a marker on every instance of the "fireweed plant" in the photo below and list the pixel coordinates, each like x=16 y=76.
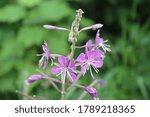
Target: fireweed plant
x=65 y=67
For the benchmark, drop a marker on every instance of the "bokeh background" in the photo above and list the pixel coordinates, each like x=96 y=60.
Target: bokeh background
x=126 y=71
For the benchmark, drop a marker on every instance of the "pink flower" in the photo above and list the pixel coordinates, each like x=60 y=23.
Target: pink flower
x=34 y=78
x=92 y=91
x=90 y=59
x=65 y=67
x=46 y=56
x=100 y=43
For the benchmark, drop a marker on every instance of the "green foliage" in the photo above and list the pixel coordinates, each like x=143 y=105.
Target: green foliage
x=29 y=3
x=30 y=35
x=12 y=13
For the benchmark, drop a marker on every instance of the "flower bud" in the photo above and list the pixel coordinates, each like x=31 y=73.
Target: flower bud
x=94 y=27
x=92 y=91
x=33 y=78
x=101 y=82
x=50 y=27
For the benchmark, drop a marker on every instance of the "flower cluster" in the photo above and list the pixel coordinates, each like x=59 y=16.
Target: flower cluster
x=72 y=69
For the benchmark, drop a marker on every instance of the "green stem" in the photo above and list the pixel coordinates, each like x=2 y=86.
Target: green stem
x=63 y=91
x=73 y=49
x=25 y=95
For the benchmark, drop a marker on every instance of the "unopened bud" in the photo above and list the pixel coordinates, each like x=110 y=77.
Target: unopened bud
x=50 y=27
x=94 y=27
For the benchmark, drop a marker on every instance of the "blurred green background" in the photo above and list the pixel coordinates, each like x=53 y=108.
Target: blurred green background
x=126 y=71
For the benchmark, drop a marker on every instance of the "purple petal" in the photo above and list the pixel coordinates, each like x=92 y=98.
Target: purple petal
x=97 y=34
x=73 y=77
x=46 y=49
x=83 y=70
x=33 y=78
x=81 y=57
x=72 y=65
x=89 y=45
x=95 y=54
x=98 y=63
x=62 y=60
x=99 y=40
x=45 y=63
x=55 y=70
x=92 y=54
x=92 y=91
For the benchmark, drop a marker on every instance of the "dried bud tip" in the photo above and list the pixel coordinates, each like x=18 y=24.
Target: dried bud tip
x=80 y=11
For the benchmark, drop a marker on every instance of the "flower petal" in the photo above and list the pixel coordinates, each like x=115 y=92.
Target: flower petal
x=55 y=70
x=62 y=60
x=98 y=39
x=72 y=77
x=89 y=45
x=98 y=63
x=81 y=57
x=45 y=63
x=83 y=70
x=72 y=65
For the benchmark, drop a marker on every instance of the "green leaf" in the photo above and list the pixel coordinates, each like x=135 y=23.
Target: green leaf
x=28 y=36
x=48 y=11
x=7 y=84
x=29 y=3
x=141 y=84
x=12 y=13
x=58 y=42
x=9 y=55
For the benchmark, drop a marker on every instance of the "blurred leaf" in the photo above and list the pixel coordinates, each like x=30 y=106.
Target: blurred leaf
x=9 y=55
x=10 y=50
x=12 y=13
x=140 y=82
x=29 y=3
x=8 y=84
x=48 y=11
x=29 y=36
x=58 y=42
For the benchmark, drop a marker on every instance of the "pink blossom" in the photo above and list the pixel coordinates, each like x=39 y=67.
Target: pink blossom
x=90 y=59
x=100 y=43
x=65 y=67
x=46 y=56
